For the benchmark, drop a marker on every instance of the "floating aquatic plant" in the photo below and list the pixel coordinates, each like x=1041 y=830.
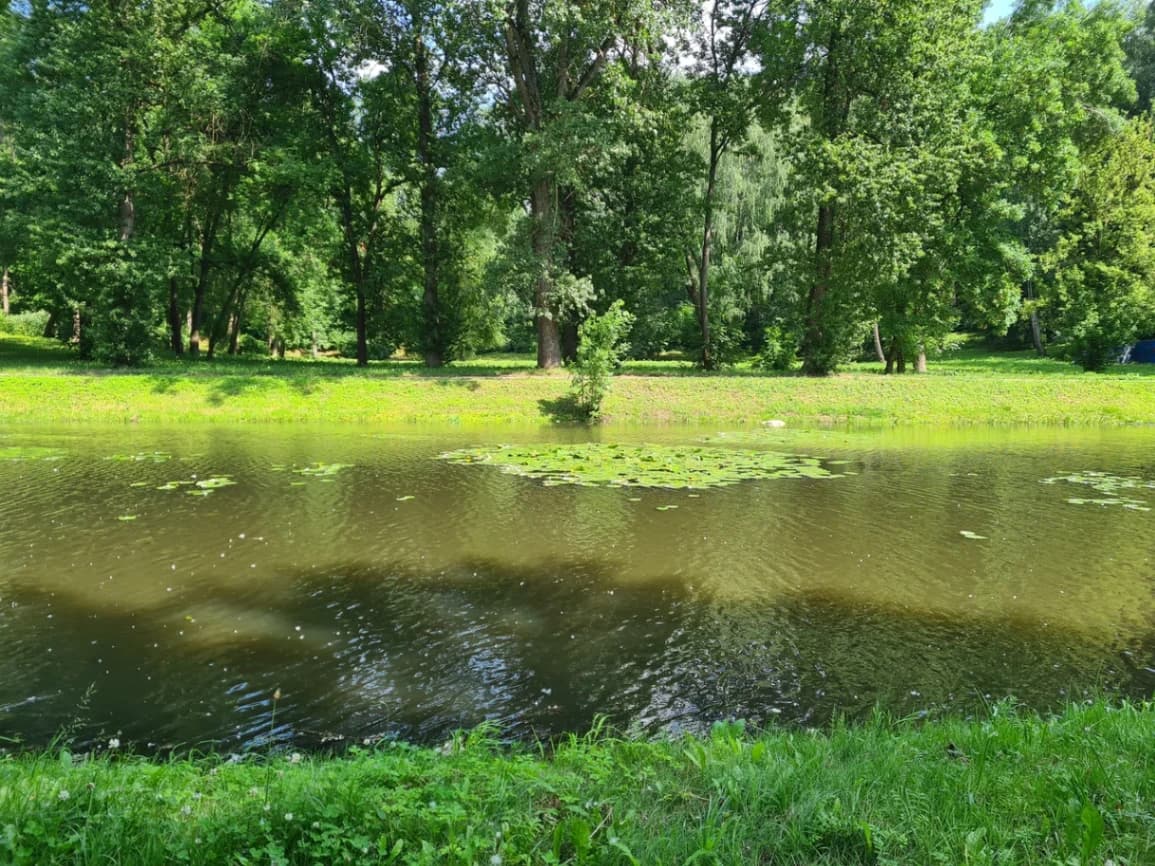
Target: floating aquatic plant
x=678 y=467
x=199 y=487
x=322 y=470
x=142 y=457
x=30 y=452
x=1112 y=486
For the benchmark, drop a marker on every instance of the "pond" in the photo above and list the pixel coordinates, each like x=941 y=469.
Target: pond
x=158 y=585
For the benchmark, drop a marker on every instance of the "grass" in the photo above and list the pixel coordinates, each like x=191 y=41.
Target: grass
x=41 y=381
x=1008 y=788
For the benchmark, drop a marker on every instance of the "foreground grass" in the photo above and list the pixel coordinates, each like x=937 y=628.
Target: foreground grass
x=1008 y=789
x=42 y=382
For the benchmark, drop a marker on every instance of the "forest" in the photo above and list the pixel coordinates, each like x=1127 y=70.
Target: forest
x=800 y=182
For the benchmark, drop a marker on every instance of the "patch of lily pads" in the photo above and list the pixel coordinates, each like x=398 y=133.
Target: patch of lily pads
x=199 y=486
x=30 y=452
x=671 y=467
x=1117 y=490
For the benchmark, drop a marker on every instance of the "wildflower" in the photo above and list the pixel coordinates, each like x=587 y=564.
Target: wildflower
x=268 y=808
x=254 y=791
x=295 y=758
x=288 y=816
x=186 y=810
x=495 y=860
x=63 y=795
x=114 y=743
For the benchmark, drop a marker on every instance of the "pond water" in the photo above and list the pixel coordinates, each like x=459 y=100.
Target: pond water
x=387 y=592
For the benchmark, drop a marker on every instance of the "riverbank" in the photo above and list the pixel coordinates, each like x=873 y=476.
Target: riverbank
x=42 y=382
x=1009 y=788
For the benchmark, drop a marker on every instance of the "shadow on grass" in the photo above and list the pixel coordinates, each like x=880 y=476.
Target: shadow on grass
x=563 y=410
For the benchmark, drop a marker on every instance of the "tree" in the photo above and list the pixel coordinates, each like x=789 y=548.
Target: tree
x=722 y=94
x=555 y=53
x=1104 y=264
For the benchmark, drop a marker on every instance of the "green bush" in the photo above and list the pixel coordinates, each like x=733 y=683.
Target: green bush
x=24 y=324
x=779 y=349
x=600 y=348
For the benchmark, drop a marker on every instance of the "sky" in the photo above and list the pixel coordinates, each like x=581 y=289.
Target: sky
x=998 y=9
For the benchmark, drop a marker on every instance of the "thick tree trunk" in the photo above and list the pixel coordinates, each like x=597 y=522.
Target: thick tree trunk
x=879 y=352
x=174 y=325
x=814 y=346
x=5 y=288
x=434 y=338
x=543 y=207
x=920 y=361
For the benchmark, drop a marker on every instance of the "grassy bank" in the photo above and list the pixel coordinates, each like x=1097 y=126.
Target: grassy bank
x=42 y=382
x=1007 y=789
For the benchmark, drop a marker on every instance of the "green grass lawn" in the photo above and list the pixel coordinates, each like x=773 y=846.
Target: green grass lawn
x=1003 y=789
x=41 y=381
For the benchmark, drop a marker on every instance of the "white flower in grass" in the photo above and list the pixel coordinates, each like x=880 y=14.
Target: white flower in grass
x=186 y=810
x=295 y=758
x=63 y=795
x=288 y=816
x=114 y=743
x=495 y=860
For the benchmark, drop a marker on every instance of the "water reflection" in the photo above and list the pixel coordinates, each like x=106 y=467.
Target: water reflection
x=409 y=597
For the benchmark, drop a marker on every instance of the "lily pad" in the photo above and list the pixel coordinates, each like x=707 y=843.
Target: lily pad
x=322 y=470
x=142 y=457
x=200 y=487
x=1114 y=488
x=594 y=465
x=30 y=452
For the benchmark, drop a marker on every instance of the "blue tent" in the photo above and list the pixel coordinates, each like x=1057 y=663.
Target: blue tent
x=1143 y=352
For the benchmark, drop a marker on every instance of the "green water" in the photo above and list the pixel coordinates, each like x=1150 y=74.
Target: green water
x=387 y=592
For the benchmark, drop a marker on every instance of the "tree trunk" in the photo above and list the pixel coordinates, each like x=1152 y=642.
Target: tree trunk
x=569 y=341
x=50 y=325
x=76 y=324
x=878 y=350
x=208 y=240
x=433 y=337
x=703 y=295
x=814 y=350
x=315 y=352
x=816 y=360
x=1037 y=333
x=543 y=207
x=5 y=286
x=362 y=327
x=235 y=331
x=920 y=361
x=174 y=329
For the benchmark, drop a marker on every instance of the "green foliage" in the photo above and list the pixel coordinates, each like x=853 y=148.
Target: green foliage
x=30 y=324
x=600 y=349
x=1003 y=787
x=779 y=349
x=1104 y=265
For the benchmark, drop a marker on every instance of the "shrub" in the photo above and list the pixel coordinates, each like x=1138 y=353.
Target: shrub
x=600 y=348
x=24 y=324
